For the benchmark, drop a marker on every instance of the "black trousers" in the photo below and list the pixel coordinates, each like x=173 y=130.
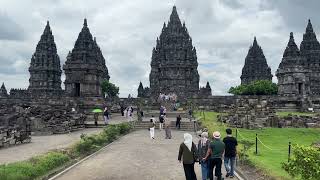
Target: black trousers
x=215 y=163
x=189 y=171
x=178 y=123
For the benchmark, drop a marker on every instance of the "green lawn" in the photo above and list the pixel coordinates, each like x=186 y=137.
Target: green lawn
x=284 y=114
x=276 y=139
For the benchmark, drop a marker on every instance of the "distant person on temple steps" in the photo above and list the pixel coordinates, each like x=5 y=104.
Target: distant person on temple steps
x=122 y=110
x=161 y=121
x=152 y=128
x=96 y=117
x=178 y=122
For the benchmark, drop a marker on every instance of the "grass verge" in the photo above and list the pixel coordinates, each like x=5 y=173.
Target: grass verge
x=274 y=149
x=42 y=165
x=285 y=114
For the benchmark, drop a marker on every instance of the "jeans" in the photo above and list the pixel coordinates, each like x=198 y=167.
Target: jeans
x=205 y=170
x=229 y=165
x=189 y=171
x=215 y=163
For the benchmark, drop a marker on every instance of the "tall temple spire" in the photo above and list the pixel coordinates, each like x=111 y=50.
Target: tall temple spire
x=174 y=53
x=3 y=91
x=255 y=67
x=85 y=80
x=45 y=70
x=292 y=49
x=309 y=42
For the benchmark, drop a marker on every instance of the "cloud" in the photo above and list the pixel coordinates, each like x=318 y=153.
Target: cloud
x=126 y=31
x=9 y=29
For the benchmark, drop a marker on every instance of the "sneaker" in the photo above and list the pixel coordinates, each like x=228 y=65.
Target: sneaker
x=231 y=176
x=227 y=175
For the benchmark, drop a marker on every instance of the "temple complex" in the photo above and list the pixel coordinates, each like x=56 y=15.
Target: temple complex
x=255 y=67
x=85 y=67
x=45 y=70
x=174 y=61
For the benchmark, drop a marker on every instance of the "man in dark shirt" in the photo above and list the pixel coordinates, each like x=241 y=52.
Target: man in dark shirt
x=230 y=153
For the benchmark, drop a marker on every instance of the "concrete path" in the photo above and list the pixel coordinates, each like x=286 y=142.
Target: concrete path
x=135 y=157
x=42 y=144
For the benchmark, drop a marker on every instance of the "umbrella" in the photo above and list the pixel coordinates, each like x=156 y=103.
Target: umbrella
x=97 y=111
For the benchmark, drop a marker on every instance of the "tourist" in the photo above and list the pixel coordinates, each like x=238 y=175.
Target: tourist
x=230 y=153
x=188 y=152
x=161 y=121
x=151 y=128
x=190 y=114
x=215 y=151
x=96 y=117
x=203 y=146
x=106 y=116
x=122 y=110
x=168 y=130
x=161 y=110
x=178 y=122
x=164 y=111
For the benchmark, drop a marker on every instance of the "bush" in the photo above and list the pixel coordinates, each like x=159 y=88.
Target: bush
x=261 y=87
x=89 y=144
x=109 y=89
x=305 y=163
x=35 y=167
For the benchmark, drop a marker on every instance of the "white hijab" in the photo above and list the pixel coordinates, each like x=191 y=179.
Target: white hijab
x=187 y=140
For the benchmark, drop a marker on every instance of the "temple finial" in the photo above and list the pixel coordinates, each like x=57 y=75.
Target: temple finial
x=85 y=22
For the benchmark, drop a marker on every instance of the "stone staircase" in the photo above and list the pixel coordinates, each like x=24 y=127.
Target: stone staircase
x=185 y=125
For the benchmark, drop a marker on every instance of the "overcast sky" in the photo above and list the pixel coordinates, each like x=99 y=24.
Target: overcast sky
x=126 y=30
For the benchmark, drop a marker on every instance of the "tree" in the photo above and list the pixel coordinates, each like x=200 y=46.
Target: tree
x=305 y=163
x=109 y=89
x=260 y=87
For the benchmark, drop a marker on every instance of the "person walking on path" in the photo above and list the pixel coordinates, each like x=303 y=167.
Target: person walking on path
x=168 y=130
x=203 y=146
x=106 y=115
x=188 y=154
x=215 y=152
x=230 y=153
x=161 y=121
x=178 y=122
x=96 y=117
x=151 y=128
x=122 y=110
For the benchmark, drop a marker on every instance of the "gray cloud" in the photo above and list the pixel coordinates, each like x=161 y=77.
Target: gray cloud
x=222 y=31
x=9 y=29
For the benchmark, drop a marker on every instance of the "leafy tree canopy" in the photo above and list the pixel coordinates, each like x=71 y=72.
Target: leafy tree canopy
x=261 y=87
x=110 y=89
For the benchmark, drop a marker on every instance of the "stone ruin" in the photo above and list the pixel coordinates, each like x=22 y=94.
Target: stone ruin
x=257 y=113
x=42 y=119
x=250 y=113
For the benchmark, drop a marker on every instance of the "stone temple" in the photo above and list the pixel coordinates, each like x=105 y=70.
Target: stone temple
x=174 y=61
x=45 y=70
x=299 y=70
x=85 y=67
x=255 y=67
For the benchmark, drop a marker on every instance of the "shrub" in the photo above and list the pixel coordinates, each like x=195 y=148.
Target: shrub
x=35 y=167
x=261 y=87
x=305 y=163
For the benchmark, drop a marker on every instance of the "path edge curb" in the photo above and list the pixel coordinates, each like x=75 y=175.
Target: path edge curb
x=85 y=158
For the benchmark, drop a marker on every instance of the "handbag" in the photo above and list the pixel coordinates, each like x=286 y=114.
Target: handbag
x=195 y=154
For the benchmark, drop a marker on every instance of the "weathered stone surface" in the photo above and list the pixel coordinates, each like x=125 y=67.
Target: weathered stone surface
x=255 y=67
x=85 y=67
x=174 y=61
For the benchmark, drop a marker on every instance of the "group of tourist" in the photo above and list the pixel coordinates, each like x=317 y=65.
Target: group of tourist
x=209 y=155
x=162 y=121
x=167 y=97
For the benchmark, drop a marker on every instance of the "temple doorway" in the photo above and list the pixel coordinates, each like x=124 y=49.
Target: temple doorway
x=77 y=89
x=300 y=88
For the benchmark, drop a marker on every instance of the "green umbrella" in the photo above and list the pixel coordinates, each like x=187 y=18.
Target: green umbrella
x=97 y=111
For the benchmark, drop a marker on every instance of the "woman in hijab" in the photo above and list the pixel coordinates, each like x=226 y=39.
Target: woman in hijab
x=188 y=153
x=203 y=146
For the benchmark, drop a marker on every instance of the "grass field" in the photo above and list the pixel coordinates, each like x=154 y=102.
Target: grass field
x=276 y=141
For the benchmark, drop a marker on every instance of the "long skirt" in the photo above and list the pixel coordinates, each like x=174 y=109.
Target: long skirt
x=168 y=133
x=152 y=133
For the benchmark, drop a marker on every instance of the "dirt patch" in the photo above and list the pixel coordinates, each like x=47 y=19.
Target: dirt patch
x=250 y=172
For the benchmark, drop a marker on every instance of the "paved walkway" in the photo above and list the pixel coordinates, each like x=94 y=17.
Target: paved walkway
x=42 y=144
x=135 y=157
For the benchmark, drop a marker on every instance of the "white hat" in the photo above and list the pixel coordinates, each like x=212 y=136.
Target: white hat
x=216 y=135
